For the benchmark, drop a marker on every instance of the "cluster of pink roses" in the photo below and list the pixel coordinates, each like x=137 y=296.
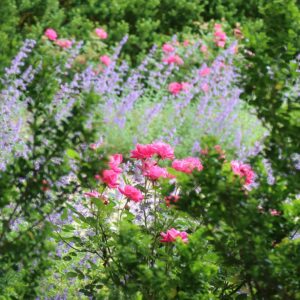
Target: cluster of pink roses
x=173 y=59
x=244 y=171
x=176 y=87
x=150 y=168
x=52 y=35
x=173 y=234
x=220 y=36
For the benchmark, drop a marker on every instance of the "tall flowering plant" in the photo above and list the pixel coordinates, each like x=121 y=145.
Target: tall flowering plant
x=197 y=226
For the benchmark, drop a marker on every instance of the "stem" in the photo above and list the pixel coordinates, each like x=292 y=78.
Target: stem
x=123 y=209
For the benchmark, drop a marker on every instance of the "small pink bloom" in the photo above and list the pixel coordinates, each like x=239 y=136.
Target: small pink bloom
x=205 y=87
x=186 y=43
x=204 y=71
x=167 y=48
x=132 y=193
x=243 y=170
x=187 y=165
x=93 y=146
x=51 y=34
x=171 y=235
x=105 y=60
x=275 y=212
x=102 y=34
x=110 y=178
x=64 y=43
x=220 y=35
x=185 y=86
x=175 y=88
x=218 y=27
x=97 y=145
x=97 y=177
x=155 y=172
x=142 y=151
x=220 y=44
x=114 y=162
x=173 y=59
x=163 y=150
x=92 y=194
x=203 y=49
x=238 y=33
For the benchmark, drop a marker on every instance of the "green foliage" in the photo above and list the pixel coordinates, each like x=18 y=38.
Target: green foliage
x=253 y=245
x=29 y=186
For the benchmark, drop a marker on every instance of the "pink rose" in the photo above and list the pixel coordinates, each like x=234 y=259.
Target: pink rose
x=243 y=170
x=185 y=86
x=92 y=194
x=155 y=172
x=102 y=34
x=220 y=44
x=163 y=150
x=171 y=235
x=167 y=48
x=204 y=71
x=220 y=37
x=218 y=27
x=175 y=88
x=105 y=60
x=203 y=49
x=63 y=43
x=132 y=193
x=51 y=34
x=205 y=87
x=186 y=43
x=274 y=212
x=173 y=59
x=142 y=151
x=110 y=178
x=187 y=165
x=114 y=162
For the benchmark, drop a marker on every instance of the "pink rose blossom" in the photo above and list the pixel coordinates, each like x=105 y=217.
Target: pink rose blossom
x=175 y=88
x=163 y=150
x=155 y=172
x=220 y=44
x=205 y=87
x=275 y=212
x=173 y=59
x=167 y=48
x=203 y=49
x=243 y=170
x=171 y=235
x=185 y=86
x=218 y=27
x=220 y=36
x=204 y=71
x=97 y=177
x=187 y=165
x=186 y=43
x=51 y=34
x=114 y=162
x=105 y=60
x=92 y=194
x=132 y=193
x=142 y=151
x=110 y=178
x=64 y=43
x=102 y=34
